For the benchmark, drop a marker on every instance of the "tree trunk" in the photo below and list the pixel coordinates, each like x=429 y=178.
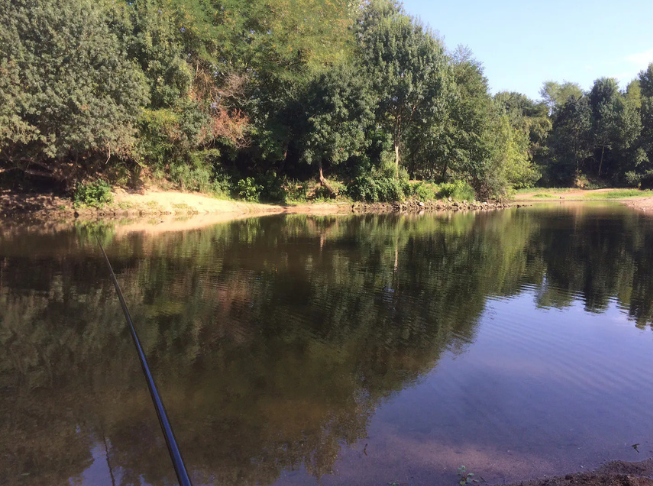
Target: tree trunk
x=601 y=163
x=397 y=156
x=323 y=182
x=444 y=170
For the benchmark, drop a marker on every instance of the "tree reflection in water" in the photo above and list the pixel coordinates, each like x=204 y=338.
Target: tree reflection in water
x=273 y=340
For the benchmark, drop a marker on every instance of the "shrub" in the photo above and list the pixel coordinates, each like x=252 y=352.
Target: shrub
x=271 y=187
x=458 y=191
x=376 y=189
x=296 y=191
x=221 y=185
x=95 y=194
x=248 y=189
x=633 y=179
x=425 y=191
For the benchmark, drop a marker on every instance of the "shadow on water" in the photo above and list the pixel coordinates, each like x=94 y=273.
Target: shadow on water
x=274 y=340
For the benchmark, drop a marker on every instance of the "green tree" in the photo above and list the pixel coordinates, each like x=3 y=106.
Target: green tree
x=409 y=72
x=615 y=123
x=462 y=148
x=555 y=94
x=570 y=139
x=642 y=173
x=68 y=93
x=339 y=109
x=634 y=93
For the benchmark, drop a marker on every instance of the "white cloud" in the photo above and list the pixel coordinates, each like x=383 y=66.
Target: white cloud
x=641 y=59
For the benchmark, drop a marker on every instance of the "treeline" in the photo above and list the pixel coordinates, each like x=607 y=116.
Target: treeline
x=256 y=98
x=603 y=136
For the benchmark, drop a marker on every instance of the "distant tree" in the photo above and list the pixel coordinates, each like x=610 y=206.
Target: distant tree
x=571 y=139
x=530 y=117
x=634 y=93
x=556 y=94
x=615 y=123
x=513 y=162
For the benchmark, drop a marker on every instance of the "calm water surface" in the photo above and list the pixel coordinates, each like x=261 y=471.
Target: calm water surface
x=307 y=350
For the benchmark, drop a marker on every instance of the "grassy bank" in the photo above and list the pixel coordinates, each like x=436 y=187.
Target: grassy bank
x=573 y=194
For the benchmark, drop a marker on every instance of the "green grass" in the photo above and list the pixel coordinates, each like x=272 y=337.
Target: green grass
x=125 y=205
x=543 y=195
x=619 y=194
x=153 y=205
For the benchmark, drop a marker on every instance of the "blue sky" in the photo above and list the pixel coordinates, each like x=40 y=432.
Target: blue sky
x=524 y=43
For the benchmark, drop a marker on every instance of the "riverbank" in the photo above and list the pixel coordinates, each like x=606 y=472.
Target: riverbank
x=633 y=198
x=146 y=203
x=171 y=207
x=155 y=203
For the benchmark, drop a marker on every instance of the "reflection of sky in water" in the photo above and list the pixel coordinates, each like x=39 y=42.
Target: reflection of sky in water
x=537 y=393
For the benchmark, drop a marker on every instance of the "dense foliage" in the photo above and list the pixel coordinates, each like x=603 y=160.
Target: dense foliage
x=209 y=93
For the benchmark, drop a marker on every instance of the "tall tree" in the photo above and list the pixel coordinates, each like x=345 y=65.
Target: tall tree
x=644 y=171
x=615 y=123
x=634 y=93
x=339 y=110
x=570 y=139
x=461 y=148
x=408 y=68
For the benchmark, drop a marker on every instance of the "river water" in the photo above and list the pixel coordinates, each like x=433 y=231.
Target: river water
x=305 y=350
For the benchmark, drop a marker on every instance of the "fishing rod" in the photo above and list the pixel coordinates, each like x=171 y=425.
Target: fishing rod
x=171 y=442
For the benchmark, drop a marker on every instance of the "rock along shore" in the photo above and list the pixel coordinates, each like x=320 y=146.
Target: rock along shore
x=412 y=206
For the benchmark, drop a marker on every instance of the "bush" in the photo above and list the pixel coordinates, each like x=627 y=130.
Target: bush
x=425 y=191
x=376 y=189
x=95 y=194
x=271 y=187
x=221 y=185
x=248 y=189
x=633 y=179
x=296 y=191
x=458 y=191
